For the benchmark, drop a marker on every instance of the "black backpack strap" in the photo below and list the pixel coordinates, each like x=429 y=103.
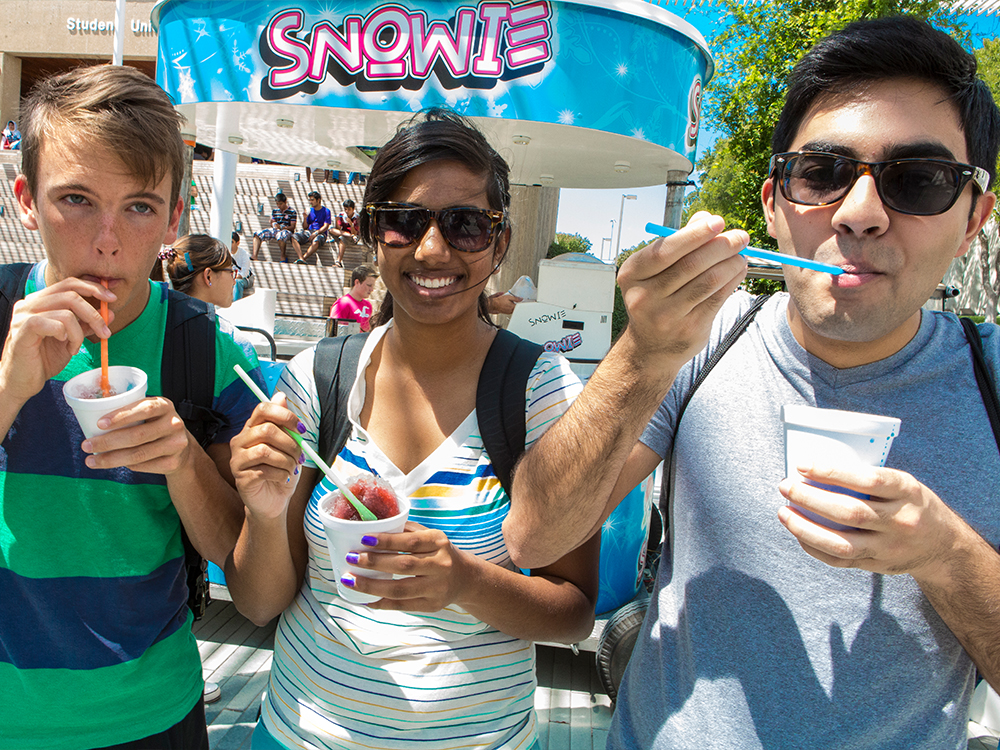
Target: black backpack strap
x=187 y=370
x=335 y=355
x=500 y=401
x=187 y=378
x=500 y=395
x=986 y=385
x=13 y=278
x=666 y=489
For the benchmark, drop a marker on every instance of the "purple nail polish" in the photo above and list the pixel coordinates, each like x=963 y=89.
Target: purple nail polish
x=296 y=470
x=347 y=580
x=369 y=541
x=302 y=458
x=352 y=558
x=301 y=428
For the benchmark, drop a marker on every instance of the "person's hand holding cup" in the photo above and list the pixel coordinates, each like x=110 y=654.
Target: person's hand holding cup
x=345 y=536
x=83 y=394
x=834 y=438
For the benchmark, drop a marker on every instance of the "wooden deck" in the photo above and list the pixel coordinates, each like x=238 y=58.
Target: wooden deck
x=573 y=711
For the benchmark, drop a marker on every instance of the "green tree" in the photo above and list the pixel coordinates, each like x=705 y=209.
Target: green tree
x=754 y=53
x=568 y=243
x=988 y=57
x=719 y=178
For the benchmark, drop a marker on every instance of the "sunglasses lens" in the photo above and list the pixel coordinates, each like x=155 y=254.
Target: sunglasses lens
x=399 y=227
x=817 y=179
x=919 y=187
x=467 y=229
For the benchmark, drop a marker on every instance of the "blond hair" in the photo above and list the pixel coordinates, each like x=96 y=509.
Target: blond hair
x=110 y=106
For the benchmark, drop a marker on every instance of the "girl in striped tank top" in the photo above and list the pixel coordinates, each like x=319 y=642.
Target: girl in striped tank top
x=443 y=659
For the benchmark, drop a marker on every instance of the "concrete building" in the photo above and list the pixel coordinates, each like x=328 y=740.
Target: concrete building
x=41 y=37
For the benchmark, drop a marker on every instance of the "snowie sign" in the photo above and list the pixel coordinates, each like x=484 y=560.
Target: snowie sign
x=625 y=68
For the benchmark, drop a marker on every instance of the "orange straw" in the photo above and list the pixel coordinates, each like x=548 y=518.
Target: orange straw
x=105 y=382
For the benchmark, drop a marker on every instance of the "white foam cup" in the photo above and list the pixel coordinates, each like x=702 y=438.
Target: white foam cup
x=837 y=438
x=345 y=536
x=129 y=382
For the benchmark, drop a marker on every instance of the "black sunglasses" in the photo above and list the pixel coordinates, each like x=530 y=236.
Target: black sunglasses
x=470 y=230
x=919 y=187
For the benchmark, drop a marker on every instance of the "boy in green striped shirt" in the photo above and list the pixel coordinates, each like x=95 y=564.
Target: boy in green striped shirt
x=96 y=647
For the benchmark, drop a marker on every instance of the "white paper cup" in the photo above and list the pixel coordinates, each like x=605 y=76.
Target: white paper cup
x=345 y=536
x=129 y=382
x=834 y=437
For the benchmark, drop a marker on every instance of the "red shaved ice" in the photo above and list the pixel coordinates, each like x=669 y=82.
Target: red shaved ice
x=374 y=493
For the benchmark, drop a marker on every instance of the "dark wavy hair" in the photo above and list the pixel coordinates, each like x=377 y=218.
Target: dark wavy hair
x=894 y=47
x=436 y=134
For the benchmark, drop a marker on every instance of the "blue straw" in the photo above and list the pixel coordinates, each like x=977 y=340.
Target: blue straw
x=756 y=252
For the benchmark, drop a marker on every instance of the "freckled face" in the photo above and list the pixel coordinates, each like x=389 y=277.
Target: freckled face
x=98 y=222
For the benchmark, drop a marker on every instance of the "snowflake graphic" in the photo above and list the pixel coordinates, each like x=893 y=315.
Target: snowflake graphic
x=185 y=85
x=567 y=117
x=495 y=110
x=240 y=58
x=621 y=69
x=200 y=30
x=639 y=133
x=334 y=11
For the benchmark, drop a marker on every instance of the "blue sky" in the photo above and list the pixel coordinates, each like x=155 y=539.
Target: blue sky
x=590 y=212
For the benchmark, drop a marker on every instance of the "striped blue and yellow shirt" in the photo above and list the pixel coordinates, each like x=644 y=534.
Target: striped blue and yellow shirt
x=346 y=676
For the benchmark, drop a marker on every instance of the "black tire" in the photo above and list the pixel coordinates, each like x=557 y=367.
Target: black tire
x=655 y=538
x=616 y=644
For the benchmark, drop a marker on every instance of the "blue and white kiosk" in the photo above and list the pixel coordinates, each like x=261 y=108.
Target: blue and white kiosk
x=573 y=93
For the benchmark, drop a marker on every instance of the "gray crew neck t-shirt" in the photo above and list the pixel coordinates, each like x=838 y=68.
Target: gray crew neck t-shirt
x=750 y=642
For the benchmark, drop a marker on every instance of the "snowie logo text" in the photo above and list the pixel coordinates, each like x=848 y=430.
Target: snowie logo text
x=394 y=47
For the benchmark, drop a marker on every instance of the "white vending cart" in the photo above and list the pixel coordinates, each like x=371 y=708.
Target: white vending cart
x=572 y=315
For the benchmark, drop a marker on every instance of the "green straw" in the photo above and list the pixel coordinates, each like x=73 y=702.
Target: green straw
x=333 y=476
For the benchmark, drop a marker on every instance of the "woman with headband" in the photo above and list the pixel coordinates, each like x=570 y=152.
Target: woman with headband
x=199 y=266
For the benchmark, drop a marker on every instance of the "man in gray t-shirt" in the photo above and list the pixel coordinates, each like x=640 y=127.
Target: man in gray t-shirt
x=767 y=629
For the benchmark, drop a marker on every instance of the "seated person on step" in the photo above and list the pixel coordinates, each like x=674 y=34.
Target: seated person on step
x=283 y=220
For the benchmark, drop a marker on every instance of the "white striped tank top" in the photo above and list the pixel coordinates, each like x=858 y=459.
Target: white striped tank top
x=346 y=676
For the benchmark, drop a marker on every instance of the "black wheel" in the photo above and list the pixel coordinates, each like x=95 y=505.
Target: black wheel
x=655 y=538
x=616 y=644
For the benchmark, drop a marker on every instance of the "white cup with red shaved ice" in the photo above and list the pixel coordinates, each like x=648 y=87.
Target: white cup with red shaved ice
x=83 y=393
x=344 y=527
